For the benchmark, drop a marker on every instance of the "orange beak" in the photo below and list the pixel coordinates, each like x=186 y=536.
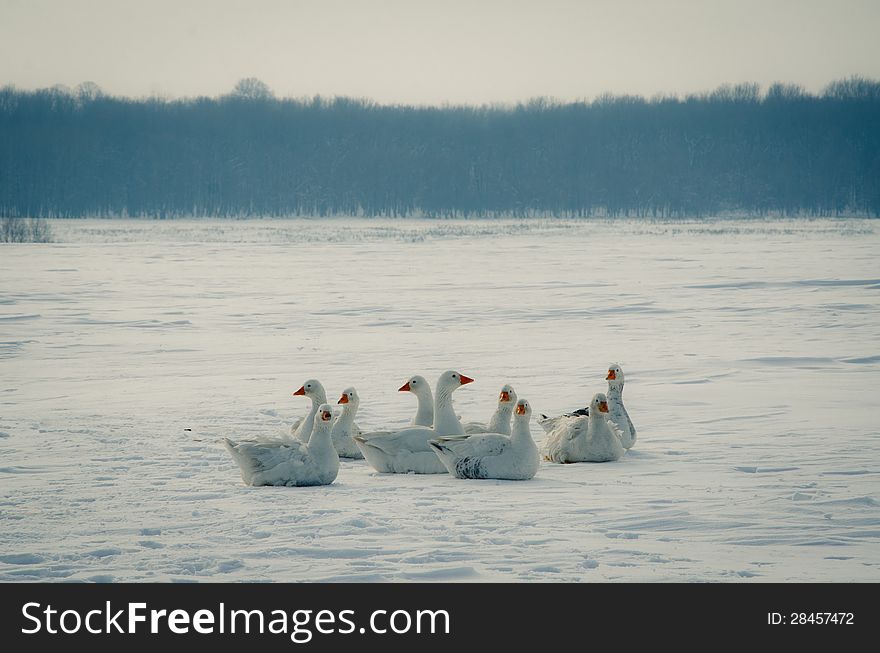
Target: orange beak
x=505 y=396
x=603 y=406
x=465 y=379
x=611 y=375
x=300 y=392
x=326 y=415
x=520 y=409
x=404 y=388
x=343 y=399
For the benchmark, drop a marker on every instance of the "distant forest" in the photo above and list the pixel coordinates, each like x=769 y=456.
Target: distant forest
x=78 y=152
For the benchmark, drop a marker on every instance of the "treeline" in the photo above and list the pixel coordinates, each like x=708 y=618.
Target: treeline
x=78 y=153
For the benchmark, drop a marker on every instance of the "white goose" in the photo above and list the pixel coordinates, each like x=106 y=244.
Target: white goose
x=616 y=411
x=493 y=455
x=301 y=429
x=551 y=423
x=408 y=451
x=500 y=420
x=424 y=415
x=592 y=439
x=344 y=428
x=422 y=390
x=290 y=463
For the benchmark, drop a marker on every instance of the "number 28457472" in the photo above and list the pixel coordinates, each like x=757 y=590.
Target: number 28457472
x=812 y=618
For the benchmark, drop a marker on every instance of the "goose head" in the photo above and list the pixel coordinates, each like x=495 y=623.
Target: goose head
x=615 y=375
x=323 y=418
x=415 y=384
x=349 y=398
x=507 y=395
x=599 y=404
x=523 y=410
x=450 y=381
x=311 y=389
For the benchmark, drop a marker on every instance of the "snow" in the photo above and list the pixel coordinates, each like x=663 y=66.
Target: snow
x=751 y=351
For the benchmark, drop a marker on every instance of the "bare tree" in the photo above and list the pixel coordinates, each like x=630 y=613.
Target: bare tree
x=252 y=88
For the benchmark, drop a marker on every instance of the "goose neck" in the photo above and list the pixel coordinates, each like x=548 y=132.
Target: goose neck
x=521 y=432
x=445 y=420
x=321 y=435
x=309 y=423
x=425 y=412
x=443 y=399
x=346 y=419
x=501 y=417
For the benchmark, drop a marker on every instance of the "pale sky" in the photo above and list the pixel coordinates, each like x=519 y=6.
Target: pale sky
x=435 y=51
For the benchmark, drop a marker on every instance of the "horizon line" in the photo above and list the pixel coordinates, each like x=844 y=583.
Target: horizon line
x=92 y=90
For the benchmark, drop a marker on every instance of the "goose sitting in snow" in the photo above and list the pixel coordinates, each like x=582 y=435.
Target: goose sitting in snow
x=592 y=439
x=616 y=411
x=422 y=390
x=424 y=415
x=344 y=428
x=302 y=428
x=290 y=463
x=407 y=450
x=550 y=423
x=493 y=455
x=500 y=420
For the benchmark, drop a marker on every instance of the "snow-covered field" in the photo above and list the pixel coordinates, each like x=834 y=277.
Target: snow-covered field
x=751 y=349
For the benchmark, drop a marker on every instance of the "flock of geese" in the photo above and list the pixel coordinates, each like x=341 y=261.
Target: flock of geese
x=437 y=441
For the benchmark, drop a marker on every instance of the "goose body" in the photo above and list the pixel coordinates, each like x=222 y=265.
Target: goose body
x=592 y=439
x=403 y=452
x=616 y=410
x=407 y=450
x=289 y=463
x=301 y=429
x=492 y=455
x=500 y=420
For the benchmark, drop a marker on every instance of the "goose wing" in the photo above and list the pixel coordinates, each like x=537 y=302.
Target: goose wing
x=476 y=446
x=262 y=457
x=408 y=440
